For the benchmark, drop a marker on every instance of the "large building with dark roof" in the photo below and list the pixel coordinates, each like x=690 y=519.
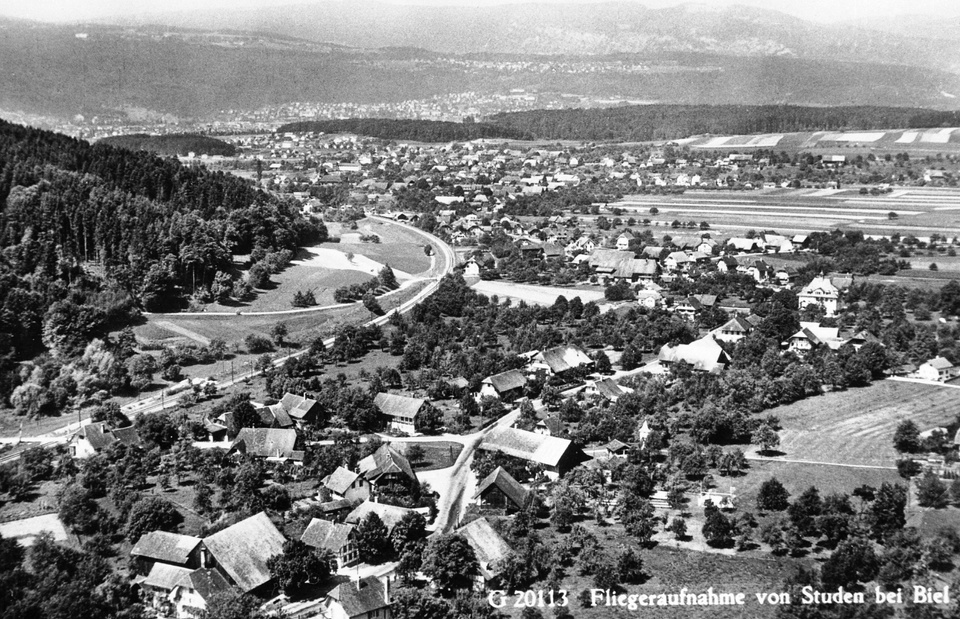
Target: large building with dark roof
x=555 y=455
x=499 y=490
x=401 y=411
x=241 y=551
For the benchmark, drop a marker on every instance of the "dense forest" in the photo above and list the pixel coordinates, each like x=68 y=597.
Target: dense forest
x=406 y=129
x=666 y=122
x=180 y=144
x=92 y=234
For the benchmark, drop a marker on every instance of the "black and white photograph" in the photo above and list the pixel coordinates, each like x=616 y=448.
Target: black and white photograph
x=482 y=309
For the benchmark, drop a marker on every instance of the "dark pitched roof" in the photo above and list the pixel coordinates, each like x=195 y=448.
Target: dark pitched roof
x=206 y=582
x=505 y=482
x=487 y=544
x=609 y=389
x=359 y=597
x=546 y=450
x=335 y=506
x=128 y=436
x=242 y=550
x=167 y=547
x=325 y=534
x=340 y=480
x=164 y=576
x=298 y=406
x=385 y=460
x=268 y=442
x=393 y=405
x=563 y=358
x=507 y=381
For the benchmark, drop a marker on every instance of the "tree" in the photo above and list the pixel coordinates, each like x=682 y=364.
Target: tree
x=886 y=513
x=387 y=278
x=853 y=561
x=678 y=526
x=408 y=532
x=415 y=453
x=766 y=437
x=931 y=492
x=231 y=604
x=412 y=603
x=78 y=510
x=716 y=527
x=907 y=437
x=772 y=496
x=630 y=567
x=298 y=565
x=805 y=510
x=373 y=545
x=450 y=562
x=152 y=514
x=373 y=306
x=278 y=332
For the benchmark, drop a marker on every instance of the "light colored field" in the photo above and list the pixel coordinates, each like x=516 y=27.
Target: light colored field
x=857 y=426
x=25 y=531
x=921 y=211
x=536 y=295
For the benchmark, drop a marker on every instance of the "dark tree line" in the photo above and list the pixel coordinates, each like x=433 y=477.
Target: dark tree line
x=652 y=122
x=407 y=129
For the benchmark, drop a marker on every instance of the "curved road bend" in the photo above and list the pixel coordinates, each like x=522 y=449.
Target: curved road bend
x=157 y=403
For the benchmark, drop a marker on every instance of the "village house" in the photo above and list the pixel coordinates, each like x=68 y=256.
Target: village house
x=271 y=444
x=811 y=335
x=820 y=292
x=733 y=330
x=507 y=385
x=386 y=466
x=606 y=388
x=167 y=548
x=561 y=361
x=241 y=551
x=93 y=438
x=555 y=455
x=365 y=598
x=192 y=591
x=339 y=539
x=500 y=491
x=389 y=514
x=489 y=547
x=623 y=241
x=401 y=411
x=345 y=484
x=938 y=369
x=704 y=355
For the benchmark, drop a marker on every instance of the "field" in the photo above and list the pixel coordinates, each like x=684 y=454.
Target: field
x=670 y=569
x=535 y=295
x=920 y=211
x=857 y=426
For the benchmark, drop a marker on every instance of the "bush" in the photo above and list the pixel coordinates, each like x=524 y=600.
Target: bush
x=257 y=344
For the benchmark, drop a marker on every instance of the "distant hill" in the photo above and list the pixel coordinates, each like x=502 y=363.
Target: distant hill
x=156 y=71
x=418 y=130
x=575 y=29
x=172 y=145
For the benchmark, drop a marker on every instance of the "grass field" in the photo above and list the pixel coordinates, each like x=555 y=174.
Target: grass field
x=293 y=279
x=857 y=426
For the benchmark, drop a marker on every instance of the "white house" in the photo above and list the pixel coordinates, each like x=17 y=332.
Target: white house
x=820 y=291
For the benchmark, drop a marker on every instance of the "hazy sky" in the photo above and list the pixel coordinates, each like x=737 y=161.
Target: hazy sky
x=817 y=10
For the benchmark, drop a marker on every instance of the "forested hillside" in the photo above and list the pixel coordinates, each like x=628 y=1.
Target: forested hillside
x=407 y=129
x=667 y=122
x=91 y=234
x=172 y=145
